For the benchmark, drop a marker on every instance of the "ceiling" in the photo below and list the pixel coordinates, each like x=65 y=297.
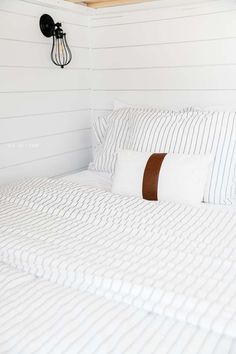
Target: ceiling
x=106 y=3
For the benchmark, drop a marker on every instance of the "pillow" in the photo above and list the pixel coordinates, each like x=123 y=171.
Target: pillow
x=118 y=104
x=219 y=108
x=100 y=123
x=161 y=176
x=193 y=132
x=99 y=126
x=117 y=136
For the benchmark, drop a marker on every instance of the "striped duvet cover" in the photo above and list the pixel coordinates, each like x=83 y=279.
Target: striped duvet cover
x=86 y=271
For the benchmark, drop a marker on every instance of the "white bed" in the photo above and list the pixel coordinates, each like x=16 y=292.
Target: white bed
x=92 y=178
x=86 y=271
x=103 y=180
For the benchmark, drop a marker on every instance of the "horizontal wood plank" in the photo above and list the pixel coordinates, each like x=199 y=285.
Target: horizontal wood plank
x=63 y=12
x=214 y=52
x=151 y=12
x=12 y=129
x=103 y=100
x=108 y=3
x=45 y=124
x=151 y=6
x=27 y=103
x=13 y=153
x=170 y=54
x=184 y=78
x=36 y=79
x=191 y=29
x=25 y=28
x=24 y=54
x=48 y=167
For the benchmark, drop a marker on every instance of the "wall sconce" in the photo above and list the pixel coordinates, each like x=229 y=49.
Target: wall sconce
x=60 y=53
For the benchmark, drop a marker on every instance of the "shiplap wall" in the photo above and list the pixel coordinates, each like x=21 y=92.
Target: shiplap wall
x=168 y=53
x=44 y=110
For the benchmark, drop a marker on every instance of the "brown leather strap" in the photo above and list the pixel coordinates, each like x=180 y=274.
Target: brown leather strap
x=151 y=176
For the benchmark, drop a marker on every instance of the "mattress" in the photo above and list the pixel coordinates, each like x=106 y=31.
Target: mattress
x=85 y=271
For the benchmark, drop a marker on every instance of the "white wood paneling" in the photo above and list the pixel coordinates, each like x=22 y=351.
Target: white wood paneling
x=31 y=55
x=37 y=79
x=197 y=28
x=42 y=102
x=43 y=124
x=168 y=53
x=26 y=28
x=68 y=13
x=165 y=53
x=45 y=111
x=48 y=167
x=184 y=78
x=103 y=100
x=153 y=12
x=215 y=52
x=18 y=152
x=160 y=5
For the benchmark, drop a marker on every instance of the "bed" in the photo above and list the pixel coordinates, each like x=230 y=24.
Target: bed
x=90 y=295
x=103 y=180
x=92 y=178
x=84 y=270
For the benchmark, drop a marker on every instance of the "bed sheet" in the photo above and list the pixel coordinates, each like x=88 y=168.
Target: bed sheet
x=87 y=271
x=39 y=317
x=92 y=178
x=103 y=181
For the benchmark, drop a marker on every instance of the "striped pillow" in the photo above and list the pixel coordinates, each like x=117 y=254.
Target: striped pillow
x=193 y=132
x=99 y=126
x=117 y=136
x=164 y=177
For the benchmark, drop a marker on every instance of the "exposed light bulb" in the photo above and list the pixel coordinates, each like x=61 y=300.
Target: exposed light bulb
x=60 y=54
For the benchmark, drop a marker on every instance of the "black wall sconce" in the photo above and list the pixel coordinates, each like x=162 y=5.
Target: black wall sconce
x=60 y=53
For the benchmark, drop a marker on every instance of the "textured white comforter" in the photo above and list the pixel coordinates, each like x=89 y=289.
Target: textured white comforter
x=118 y=265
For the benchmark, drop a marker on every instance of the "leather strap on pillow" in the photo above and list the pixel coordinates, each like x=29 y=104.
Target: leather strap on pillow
x=151 y=176
x=165 y=177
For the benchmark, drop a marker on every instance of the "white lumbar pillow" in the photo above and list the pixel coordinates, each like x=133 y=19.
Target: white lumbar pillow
x=165 y=177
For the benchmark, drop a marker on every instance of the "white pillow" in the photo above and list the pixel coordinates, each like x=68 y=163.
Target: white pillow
x=117 y=136
x=218 y=108
x=165 y=177
x=118 y=104
x=100 y=123
x=193 y=132
x=99 y=126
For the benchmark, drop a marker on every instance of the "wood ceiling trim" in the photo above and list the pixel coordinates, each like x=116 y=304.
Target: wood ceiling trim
x=76 y=1
x=109 y=3
x=106 y=3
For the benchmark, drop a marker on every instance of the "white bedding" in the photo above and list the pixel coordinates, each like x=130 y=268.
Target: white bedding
x=85 y=271
x=103 y=181
x=40 y=317
x=92 y=178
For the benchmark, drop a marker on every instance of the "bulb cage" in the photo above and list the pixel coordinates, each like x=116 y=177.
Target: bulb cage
x=60 y=54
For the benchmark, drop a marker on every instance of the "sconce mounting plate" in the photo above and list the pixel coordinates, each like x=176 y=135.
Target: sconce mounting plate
x=47 y=25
